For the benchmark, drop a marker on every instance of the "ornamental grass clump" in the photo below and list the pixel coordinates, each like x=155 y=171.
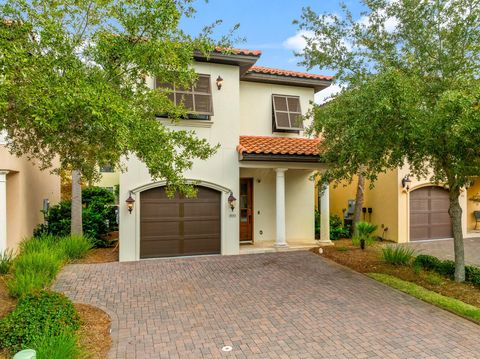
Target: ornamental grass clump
x=398 y=255
x=75 y=247
x=34 y=271
x=6 y=260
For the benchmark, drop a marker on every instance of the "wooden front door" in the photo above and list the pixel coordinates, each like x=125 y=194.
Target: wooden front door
x=246 y=209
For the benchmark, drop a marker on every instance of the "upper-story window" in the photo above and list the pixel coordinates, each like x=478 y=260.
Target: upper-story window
x=197 y=99
x=287 y=115
x=107 y=169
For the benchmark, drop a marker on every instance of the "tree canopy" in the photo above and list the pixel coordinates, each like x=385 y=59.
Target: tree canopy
x=411 y=74
x=74 y=83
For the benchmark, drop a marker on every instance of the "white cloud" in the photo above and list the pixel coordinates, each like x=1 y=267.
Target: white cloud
x=297 y=42
x=326 y=95
x=391 y=23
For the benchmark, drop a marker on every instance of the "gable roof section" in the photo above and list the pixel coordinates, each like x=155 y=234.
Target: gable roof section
x=269 y=148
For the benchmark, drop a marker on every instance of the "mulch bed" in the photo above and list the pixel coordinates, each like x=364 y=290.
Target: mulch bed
x=100 y=255
x=95 y=331
x=369 y=261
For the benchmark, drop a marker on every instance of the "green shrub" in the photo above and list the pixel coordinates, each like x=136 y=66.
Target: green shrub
x=337 y=230
x=75 y=247
x=36 y=316
x=62 y=346
x=447 y=268
x=472 y=275
x=6 y=260
x=98 y=216
x=398 y=255
x=427 y=262
x=363 y=234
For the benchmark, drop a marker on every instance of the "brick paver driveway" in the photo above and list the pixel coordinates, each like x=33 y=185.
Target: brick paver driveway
x=279 y=305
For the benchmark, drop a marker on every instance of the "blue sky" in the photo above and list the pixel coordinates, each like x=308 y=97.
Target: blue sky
x=265 y=24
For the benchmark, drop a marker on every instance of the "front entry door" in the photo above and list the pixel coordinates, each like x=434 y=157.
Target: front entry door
x=246 y=210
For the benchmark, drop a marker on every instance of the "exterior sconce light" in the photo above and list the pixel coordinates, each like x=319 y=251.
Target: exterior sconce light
x=219 y=82
x=405 y=182
x=130 y=201
x=232 y=201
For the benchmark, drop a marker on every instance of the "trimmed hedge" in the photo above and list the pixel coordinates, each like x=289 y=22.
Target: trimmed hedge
x=37 y=315
x=447 y=268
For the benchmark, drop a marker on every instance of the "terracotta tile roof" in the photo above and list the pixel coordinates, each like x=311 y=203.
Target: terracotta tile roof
x=278 y=145
x=244 y=52
x=287 y=73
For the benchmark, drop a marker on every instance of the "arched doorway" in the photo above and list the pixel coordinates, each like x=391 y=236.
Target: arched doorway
x=429 y=217
x=179 y=226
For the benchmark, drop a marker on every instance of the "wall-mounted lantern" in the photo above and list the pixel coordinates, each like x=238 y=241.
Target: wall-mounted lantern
x=130 y=202
x=219 y=82
x=406 y=181
x=232 y=201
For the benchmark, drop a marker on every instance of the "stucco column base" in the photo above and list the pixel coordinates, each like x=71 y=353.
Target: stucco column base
x=324 y=243
x=280 y=245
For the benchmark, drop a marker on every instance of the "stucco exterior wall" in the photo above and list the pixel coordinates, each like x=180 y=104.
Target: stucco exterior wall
x=108 y=179
x=472 y=205
x=382 y=198
x=27 y=187
x=256 y=107
x=221 y=169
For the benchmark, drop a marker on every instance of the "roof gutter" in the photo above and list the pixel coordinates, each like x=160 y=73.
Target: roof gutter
x=279 y=157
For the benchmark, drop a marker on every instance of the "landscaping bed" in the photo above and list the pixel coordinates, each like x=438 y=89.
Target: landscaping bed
x=370 y=261
x=100 y=255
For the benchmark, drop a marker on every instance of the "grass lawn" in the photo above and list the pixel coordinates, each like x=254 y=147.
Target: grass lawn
x=453 y=305
x=370 y=261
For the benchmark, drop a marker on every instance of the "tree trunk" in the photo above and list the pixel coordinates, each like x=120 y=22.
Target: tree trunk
x=76 y=223
x=455 y=212
x=357 y=213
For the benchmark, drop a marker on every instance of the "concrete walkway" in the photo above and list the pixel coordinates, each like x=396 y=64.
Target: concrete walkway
x=444 y=249
x=279 y=305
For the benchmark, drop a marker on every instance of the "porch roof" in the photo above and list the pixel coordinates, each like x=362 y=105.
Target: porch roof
x=269 y=148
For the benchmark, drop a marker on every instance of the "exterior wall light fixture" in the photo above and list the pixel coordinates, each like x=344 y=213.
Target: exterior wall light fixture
x=130 y=202
x=219 y=82
x=232 y=201
x=406 y=182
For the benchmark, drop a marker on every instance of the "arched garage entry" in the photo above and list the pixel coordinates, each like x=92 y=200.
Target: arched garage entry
x=179 y=226
x=429 y=217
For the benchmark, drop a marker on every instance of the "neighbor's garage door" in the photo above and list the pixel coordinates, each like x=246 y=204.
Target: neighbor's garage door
x=429 y=217
x=179 y=226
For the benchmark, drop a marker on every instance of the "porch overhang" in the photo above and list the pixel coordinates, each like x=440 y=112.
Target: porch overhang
x=287 y=150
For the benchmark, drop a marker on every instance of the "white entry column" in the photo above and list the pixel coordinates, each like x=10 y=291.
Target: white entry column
x=325 y=215
x=280 y=239
x=3 y=211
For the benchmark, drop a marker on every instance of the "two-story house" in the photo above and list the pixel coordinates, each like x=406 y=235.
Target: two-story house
x=257 y=188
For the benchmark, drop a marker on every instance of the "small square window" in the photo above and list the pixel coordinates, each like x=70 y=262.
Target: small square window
x=107 y=169
x=287 y=114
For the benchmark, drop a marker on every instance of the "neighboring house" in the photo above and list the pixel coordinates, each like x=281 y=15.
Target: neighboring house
x=412 y=211
x=265 y=161
x=109 y=178
x=24 y=190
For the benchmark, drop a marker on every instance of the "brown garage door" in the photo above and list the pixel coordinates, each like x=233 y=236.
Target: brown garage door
x=179 y=226
x=429 y=217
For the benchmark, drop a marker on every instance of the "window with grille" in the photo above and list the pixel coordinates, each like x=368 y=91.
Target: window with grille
x=287 y=115
x=197 y=99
